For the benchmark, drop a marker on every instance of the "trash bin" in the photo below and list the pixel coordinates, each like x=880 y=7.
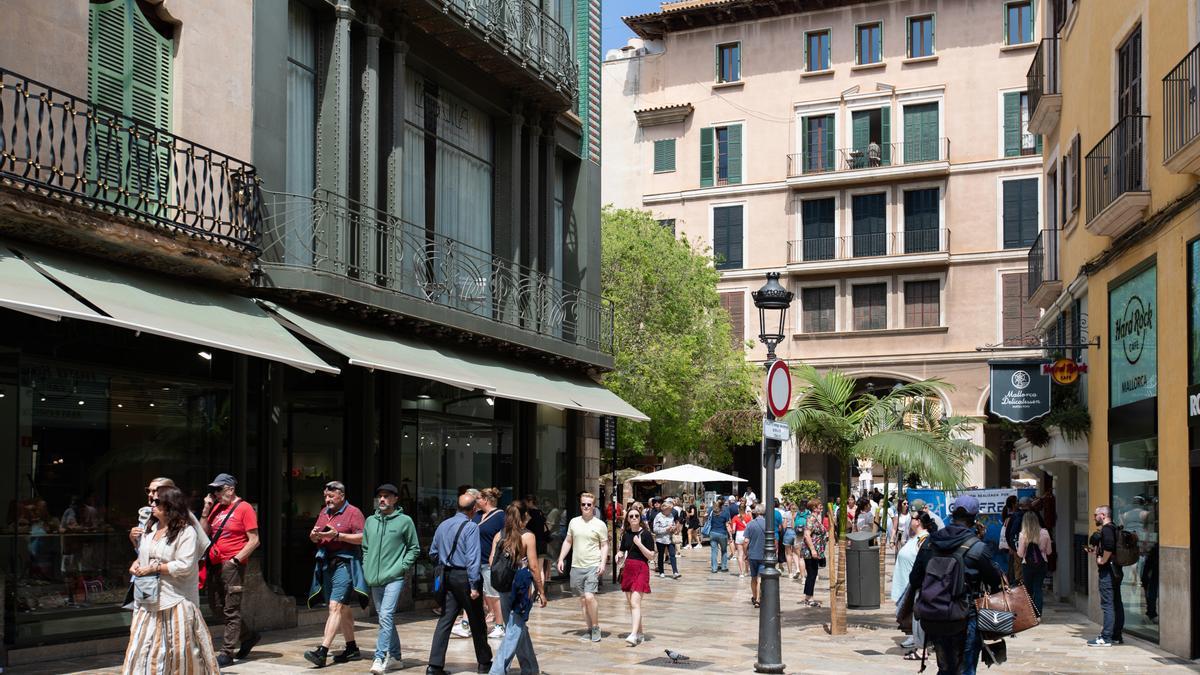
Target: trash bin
x=862 y=571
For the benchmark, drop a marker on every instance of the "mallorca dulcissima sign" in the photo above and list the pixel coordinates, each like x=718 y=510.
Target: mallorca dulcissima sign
x=1020 y=389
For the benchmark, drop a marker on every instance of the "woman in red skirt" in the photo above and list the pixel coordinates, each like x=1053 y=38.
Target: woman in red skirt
x=637 y=549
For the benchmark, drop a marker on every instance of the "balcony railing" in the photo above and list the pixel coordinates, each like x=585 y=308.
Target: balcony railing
x=1043 y=260
x=334 y=234
x=1181 y=111
x=815 y=249
x=522 y=29
x=1043 y=76
x=1114 y=165
x=65 y=147
x=872 y=156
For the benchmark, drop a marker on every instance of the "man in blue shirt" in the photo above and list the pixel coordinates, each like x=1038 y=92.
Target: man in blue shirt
x=756 y=539
x=456 y=547
x=718 y=536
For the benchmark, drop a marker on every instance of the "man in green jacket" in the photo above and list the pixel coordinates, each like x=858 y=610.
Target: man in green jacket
x=389 y=548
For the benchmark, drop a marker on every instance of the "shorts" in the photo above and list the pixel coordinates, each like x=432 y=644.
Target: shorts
x=789 y=537
x=585 y=580
x=756 y=566
x=486 y=572
x=337 y=585
x=739 y=537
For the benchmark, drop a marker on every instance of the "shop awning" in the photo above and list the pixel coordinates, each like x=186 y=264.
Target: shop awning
x=382 y=351
x=174 y=309
x=593 y=397
x=24 y=289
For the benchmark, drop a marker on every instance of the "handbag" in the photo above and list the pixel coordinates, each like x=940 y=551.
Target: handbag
x=994 y=622
x=706 y=531
x=145 y=589
x=1013 y=600
x=439 y=570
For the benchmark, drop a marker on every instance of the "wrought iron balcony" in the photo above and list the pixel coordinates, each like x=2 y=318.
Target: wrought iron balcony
x=520 y=30
x=57 y=145
x=874 y=245
x=1181 y=115
x=1117 y=195
x=1044 y=282
x=1043 y=82
x=871 y=156
x=336 y=235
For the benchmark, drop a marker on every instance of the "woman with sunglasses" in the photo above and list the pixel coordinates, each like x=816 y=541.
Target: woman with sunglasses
x=168 y=634
x=637 y=548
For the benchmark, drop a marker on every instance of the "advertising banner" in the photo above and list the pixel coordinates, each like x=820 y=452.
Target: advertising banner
x=991 y=504
x=1020 y=390
x=1133 y=334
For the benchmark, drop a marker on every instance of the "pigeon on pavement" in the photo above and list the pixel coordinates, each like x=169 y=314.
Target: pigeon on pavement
x=675 y=656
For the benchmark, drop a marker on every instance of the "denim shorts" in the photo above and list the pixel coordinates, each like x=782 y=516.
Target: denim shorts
x=488 y=591
x=789 y=537
x=337 y=585
x=756 y=566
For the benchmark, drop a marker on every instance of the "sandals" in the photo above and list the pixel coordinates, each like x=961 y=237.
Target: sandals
x=812 y=603
x=912 y=656
x=754 y=602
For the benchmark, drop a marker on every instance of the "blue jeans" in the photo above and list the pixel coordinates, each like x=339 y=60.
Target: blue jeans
x=957 y=653
x=516 y=642
x=385 y=598
x=663 y=551
x=1111 y=604
x=972 y=647
x=1035 y=582
x=719 y=541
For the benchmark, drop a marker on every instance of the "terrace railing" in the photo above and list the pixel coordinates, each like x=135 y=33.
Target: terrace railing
x=1181 y=110
x=814 y=249
x=870 y=156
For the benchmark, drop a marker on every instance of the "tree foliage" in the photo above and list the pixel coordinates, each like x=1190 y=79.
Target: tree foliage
x=800 y=491
x=675 y=360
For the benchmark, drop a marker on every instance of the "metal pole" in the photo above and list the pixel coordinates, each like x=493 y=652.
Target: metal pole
x=616 y=502
x=770 y=656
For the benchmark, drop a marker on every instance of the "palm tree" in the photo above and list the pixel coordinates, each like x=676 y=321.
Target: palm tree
x=830 y=418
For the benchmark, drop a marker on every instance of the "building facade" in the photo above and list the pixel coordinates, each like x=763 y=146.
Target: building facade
x=877 y=154
x=1116 y=265
x=295 y=241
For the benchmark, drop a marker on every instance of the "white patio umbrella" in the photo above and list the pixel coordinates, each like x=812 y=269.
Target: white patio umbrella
x=688 y=473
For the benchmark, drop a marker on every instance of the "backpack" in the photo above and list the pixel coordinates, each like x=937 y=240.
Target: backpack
x=1033 y=555
x=943 y=604
x=503 y=571
x=1127 y=548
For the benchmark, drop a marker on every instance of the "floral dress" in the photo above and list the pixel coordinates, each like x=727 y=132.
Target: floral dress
x=817 y=533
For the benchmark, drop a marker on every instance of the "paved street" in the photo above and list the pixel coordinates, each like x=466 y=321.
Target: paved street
x=709 y=618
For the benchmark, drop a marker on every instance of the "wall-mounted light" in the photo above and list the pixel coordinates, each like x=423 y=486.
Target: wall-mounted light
x=423 y=396
x=81 y=402
x=207 y=356
x=490 y=400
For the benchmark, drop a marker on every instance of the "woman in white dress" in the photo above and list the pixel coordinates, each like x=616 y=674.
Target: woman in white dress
x=168 y=635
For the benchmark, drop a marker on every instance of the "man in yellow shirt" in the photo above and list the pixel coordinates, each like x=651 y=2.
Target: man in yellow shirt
x=587 y=541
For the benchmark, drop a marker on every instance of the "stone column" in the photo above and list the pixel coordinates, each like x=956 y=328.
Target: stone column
x=333 y=134
x=368 y=153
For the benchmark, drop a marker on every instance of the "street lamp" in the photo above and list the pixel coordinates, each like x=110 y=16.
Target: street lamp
x=770 y=300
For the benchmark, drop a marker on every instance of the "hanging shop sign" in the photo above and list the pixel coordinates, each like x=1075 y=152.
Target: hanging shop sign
x=1133 y=331
x=1020 y=389
x=1064 y=371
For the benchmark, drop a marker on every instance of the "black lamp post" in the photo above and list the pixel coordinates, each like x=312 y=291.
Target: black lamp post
x=771 y=300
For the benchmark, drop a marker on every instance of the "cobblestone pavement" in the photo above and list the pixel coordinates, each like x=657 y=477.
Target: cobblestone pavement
x=709 y=618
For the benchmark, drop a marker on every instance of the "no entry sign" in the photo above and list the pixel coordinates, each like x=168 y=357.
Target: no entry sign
x=779 y=388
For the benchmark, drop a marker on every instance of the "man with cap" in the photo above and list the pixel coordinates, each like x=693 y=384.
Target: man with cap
x=389 y=549
x=918 y=506
x=338 y=572
x=232 y=526
x=955 y=642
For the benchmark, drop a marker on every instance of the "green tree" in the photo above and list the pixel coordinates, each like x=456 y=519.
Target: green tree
x=800 y=491
x=830 y=418
x=675 y=357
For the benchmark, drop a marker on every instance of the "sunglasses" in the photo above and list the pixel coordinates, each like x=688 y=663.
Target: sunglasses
x=584 y=504
x=154 y=502
x=634 y=516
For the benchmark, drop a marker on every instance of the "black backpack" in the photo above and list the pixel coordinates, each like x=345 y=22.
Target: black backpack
x=503 y=571
x=943 y=603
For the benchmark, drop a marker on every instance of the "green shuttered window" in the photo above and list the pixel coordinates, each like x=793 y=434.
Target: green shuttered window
x=872 y=135
x=721 y=155
x=921 y=142
x=727 y=237
x=1018 y=140
x=1020 y=212
x=664 y=155
x=817 y=143
x=817 y=229
x=869 y=213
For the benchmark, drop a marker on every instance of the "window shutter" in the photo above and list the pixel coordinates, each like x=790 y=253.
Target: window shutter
x=706 y=157
x=720 y=236
x=664 y=155
x=108 y=68
x=908 y=42
x=828 y=128
x=1006 y=13
x=877 y=42
x=861 y=123
x=150 y=102
x=885 y=128
x=735 y=304
x=1012 y=124
x=1076 y=198
x=735 y=237
x=735 y=154
x=1011 y=309
x=737 y=61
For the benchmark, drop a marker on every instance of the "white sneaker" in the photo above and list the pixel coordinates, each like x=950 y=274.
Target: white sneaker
x=460 y=631
x=497 y=631
x=632 y=640
x=390 y=664
x=377 y=667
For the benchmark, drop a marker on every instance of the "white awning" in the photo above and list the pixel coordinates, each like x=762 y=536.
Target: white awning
x=688 y=473
x=175 y=309
x=383 y=351
x=25 y=289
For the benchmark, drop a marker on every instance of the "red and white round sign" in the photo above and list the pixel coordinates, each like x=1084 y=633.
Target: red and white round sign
x=779 y=388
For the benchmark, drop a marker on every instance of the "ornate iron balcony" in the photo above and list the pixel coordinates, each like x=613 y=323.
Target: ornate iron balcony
x=520 y=28
x=1043 y=75
x=869 y=156
x=1181 y=110
x=59 y=145
x=330 y=233
x=1115 y=165
x=1043 y=260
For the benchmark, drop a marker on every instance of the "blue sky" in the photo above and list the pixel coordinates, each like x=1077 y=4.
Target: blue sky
x=614 y=32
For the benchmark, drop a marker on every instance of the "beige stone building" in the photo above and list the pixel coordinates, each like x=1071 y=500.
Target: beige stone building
x=875 y=153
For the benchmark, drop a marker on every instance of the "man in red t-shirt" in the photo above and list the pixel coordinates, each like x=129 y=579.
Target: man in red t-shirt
x=232 y=525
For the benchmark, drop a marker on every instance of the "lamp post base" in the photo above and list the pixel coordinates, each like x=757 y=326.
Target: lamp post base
x=769 y=643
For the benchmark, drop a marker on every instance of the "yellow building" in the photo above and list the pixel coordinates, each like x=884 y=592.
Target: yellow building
x=1119 y=261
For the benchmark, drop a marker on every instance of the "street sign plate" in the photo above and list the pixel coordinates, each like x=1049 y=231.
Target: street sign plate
x=779 y=388
x=768 y=456
x=776 y=431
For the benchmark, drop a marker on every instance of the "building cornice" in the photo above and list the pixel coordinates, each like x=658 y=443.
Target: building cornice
x=663 y=114
x=692 y=14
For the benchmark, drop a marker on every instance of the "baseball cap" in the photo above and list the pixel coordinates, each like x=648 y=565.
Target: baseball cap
x=335 y=485
x=1024 y=502
x=387 y=487
x=916 y=505
x=223 y=480
x=966 y=503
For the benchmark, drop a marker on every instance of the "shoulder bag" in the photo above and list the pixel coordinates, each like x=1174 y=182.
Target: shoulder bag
x=439 y=570
x=203 y=562
x=1005 y=613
